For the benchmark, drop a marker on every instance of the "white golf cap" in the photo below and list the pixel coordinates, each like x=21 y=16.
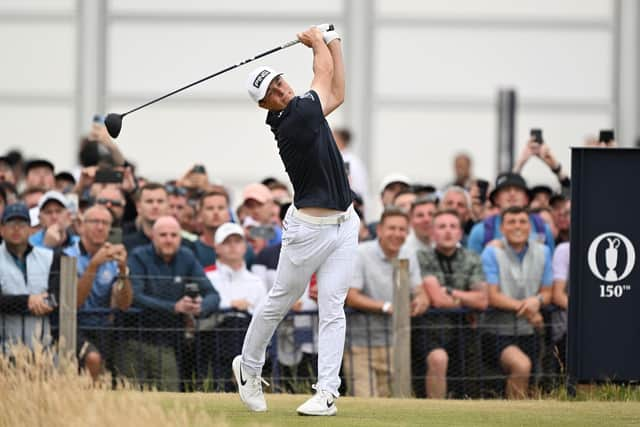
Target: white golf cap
x=55 y=196
x=394 y=177
x=227 y=229
x=259 y=81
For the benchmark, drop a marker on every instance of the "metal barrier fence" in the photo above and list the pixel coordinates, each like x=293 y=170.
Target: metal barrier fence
x=188 y=353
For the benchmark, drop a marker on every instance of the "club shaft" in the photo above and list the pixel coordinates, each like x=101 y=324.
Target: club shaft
x=246 y=61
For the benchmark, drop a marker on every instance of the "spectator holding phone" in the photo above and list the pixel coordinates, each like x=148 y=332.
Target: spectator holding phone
x=160 y=273
x=535 y=147
x=55 y=222
x=258 y=201
x=27 y=295
x=103 y=282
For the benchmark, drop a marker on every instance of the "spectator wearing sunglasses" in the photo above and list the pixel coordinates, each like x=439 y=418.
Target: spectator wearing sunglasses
x=112 y=199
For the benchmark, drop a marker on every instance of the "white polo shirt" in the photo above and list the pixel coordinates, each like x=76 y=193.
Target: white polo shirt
x=232 y=285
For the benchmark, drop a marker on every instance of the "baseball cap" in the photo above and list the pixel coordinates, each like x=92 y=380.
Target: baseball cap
x=53 y=196
x=508 y=179
x=258 y=192
x=259 y=80
x=227 y=229
x=15 y=210
x=393 y=178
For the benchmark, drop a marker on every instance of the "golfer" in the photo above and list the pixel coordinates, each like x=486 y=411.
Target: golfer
x=320 y=229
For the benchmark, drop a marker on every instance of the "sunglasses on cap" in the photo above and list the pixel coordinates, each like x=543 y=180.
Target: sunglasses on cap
x=114 y=202
x=176 y=191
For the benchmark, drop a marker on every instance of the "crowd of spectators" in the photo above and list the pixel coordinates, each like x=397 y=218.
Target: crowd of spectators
x=184 y=262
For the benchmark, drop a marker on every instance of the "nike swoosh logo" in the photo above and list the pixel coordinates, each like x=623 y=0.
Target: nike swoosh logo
x=329 y=404
x=242 y=380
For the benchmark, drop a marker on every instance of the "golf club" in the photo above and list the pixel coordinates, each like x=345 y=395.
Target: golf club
x=113 y=121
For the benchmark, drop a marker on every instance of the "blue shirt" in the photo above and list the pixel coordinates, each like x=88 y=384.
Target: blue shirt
x=492 y=270
x=100 y=294
x=477 y=238
x=158 y=285
x=310 y=154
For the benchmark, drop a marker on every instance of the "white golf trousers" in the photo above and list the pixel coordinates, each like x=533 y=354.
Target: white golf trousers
x=328 y=250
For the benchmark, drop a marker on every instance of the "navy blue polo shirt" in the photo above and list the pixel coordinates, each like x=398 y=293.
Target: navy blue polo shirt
x=310 y=154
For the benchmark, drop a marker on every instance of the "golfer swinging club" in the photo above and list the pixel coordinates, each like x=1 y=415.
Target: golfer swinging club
x=320 y=229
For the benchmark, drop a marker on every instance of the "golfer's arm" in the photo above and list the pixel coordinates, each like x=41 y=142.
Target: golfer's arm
x=337 y=83
x=323 y=75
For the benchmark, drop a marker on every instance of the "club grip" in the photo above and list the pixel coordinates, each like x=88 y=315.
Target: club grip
x=325 y=27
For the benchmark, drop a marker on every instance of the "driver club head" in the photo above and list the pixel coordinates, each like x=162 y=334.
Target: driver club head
x=113 y=122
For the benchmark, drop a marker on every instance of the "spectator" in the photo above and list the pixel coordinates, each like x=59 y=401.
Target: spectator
x=112 y=199
x=561 y=214
x=16 y=161
x=103 y=282
x=358 y=176
x=213 y=211
x=391 y=185
x=404 y=199
x=55 y=222
x=367 y=360
x=178 y=203
x=510 y=191
x=560 y=297
x=459 y=199
x=10 y=192
x=25 y=287
x=543 y=152
x=280 y=193
x=31 y=196
x=6 y=171
x=64 y=182
x=519 y=276
x=258 y=201
x=462 y=168
x=540 y=196
x=453 y=278
x=547 y=217
x=421 y=217
x=152 y=203
x=39 y=173
x=160 y=272
x=240 y=291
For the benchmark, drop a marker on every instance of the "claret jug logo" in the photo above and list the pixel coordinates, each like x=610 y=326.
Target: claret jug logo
x=619 y=257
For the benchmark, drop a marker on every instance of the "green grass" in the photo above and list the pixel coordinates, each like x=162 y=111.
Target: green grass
x=411 y=412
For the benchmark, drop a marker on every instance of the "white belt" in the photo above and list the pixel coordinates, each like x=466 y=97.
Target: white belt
x=321 y=220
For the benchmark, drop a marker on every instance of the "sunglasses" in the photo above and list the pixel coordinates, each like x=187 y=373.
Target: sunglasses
x=114 y=202
x=176 y=191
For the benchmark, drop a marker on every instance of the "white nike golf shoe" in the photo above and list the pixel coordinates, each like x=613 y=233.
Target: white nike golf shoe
x=321 y=403
x=249 y=387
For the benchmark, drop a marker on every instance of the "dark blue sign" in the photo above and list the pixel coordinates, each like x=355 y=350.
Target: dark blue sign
x=604 y=280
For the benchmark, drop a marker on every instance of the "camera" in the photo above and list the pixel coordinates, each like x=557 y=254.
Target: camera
x=191 y=290
x=50 y=300
x=536 y=134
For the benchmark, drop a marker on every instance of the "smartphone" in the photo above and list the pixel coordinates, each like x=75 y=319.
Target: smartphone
x=606 y=135
x=265 y=232
x=483 y=186
x=115 y=236
x=50 y=300
x=536 y=134
x=199 y=169
x=192 y=290
x=105 y=175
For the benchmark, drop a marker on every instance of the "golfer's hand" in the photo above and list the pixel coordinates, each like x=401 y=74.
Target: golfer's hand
x=310 y=37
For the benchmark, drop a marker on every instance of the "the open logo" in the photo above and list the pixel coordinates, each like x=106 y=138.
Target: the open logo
x=612 y=244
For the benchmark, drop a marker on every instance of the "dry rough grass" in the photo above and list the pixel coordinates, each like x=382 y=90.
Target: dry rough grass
x=38 y=388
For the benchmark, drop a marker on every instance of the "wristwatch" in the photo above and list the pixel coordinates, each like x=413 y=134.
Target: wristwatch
x=386 y=307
